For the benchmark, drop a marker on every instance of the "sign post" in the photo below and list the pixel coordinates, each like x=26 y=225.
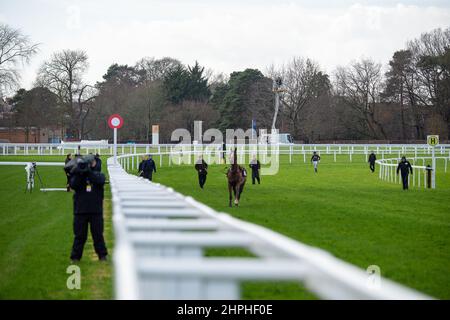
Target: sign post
x=433 y=141
x=115 y=122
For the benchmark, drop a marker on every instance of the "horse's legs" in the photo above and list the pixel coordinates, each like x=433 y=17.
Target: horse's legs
x=237 y=195
x=229 y=192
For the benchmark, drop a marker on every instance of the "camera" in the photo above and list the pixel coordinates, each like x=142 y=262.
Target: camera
x=79 y=164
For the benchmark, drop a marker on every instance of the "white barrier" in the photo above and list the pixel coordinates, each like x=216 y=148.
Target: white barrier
x=388 y=167
x=164 y=149
x=161 y=235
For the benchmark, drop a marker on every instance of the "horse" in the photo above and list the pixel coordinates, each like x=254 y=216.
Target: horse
x=236 y=180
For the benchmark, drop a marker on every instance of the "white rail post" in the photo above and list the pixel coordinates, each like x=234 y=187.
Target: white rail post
x=433 y=166
x=115 y=146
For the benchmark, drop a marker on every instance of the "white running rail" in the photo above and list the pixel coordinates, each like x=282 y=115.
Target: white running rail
x=293 y=150
x=388 y=170
x=161 y=237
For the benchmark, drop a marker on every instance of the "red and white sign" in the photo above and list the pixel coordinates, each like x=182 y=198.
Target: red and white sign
x=115 y=121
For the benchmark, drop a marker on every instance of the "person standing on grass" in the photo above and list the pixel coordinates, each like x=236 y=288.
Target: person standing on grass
x=98 y=161
x=141 y=167
x=88 y=185
x=202 y=168
x=372 y=159
x=255 y=165
x=405 y=168
x=315 y=159
x=148 y=168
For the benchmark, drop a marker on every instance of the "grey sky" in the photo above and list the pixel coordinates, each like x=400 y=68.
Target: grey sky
x=223 y=35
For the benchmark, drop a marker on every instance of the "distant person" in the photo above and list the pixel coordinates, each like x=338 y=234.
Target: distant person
x=372 y=159
x=141 y=167
x=98 y=163
x=255 y=165
x=148 y=168
x=224 y=152
x=315 y=160
x=405 y=168
x=202 y=168
x=67 y=171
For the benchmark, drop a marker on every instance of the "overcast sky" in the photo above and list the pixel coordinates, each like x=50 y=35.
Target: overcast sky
x=227 y=35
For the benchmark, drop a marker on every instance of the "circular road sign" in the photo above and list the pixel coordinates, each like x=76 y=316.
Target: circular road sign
x=115 y=121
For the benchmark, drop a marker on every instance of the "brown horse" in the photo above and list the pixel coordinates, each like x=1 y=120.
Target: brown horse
x=236 y=180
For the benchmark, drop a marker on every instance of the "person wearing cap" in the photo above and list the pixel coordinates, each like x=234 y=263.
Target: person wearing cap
x=315 y=160
x=148 y=168
x=405 y=168
x=372 y=159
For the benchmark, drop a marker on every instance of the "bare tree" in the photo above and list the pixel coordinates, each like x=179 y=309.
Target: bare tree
x=157 y=69
x=85 y=102
x=63 y=74
x=15 y=48
x=303 y=82
x=359 y=85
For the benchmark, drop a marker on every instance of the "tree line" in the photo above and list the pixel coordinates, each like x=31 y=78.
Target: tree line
x=406 y=100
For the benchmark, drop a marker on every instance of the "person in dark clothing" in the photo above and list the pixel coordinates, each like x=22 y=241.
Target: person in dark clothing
x=67 y=171
x=315 y=159
x=87 y=207
x=202 y=168
x=255 y=165
x=372 y=159
x=405 y=168
x=148 y=168
x=141 y=167
x=98 y=165
x=224 y=152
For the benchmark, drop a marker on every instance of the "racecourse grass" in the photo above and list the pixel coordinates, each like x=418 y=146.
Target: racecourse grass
x=36 y=238
x=343 y=209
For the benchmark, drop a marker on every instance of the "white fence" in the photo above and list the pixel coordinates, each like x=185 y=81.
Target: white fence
x=302 y=150
x=161 y=237
x=388 y=170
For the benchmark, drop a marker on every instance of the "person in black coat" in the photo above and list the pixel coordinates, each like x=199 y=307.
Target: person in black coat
x=141 y=167
x=255 y=165
x=202 y=168
x=372 y=159
x=98 y=163
x=148 y=168
x=405 y=168
x=87 y=207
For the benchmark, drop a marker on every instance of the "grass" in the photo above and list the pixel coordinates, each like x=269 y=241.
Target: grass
x=36 y=238
x=343 y=209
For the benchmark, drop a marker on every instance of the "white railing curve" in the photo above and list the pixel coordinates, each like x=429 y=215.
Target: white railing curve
x=388 y=170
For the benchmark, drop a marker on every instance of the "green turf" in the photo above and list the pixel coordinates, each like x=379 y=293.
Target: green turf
x=36 y=237
x=343 y=209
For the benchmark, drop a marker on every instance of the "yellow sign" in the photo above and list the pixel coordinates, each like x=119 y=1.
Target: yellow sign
x=433 y=140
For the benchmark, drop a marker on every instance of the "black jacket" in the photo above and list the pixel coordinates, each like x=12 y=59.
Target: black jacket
x=148 y=168
x=201 y=167
x=98 y=165
x=255 y=166
x=404 y=167
x=85 y=202
x=372 y=158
